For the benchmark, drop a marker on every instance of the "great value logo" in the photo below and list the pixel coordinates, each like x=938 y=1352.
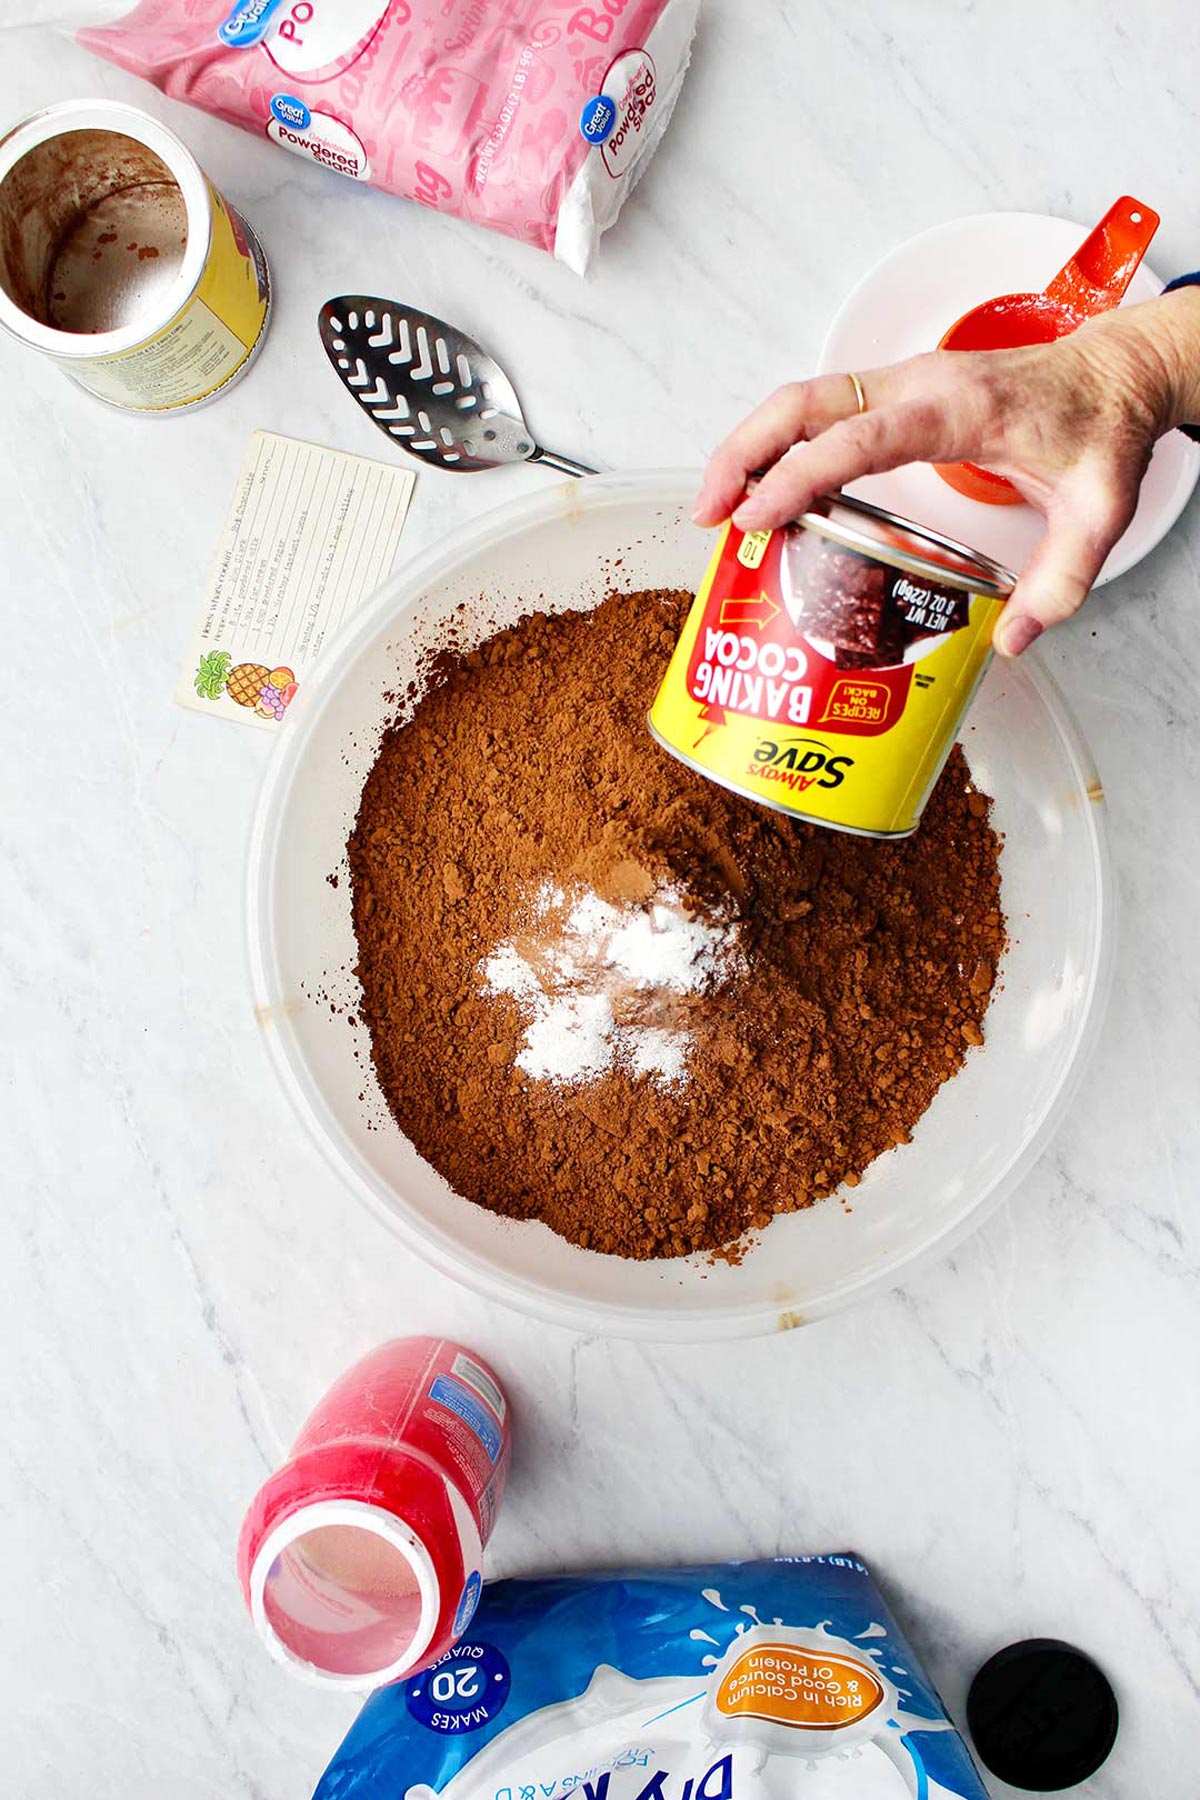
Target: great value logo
x=290 y=111
x=597 y=119
x=247 y=24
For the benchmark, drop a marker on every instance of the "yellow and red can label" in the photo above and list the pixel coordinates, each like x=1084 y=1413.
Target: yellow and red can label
x=822 y=681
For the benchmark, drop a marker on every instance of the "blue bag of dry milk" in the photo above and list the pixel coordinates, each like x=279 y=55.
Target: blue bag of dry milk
x=784 y=1680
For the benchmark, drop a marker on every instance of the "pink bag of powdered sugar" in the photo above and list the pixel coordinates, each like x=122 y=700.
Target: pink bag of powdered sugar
x=532 y=116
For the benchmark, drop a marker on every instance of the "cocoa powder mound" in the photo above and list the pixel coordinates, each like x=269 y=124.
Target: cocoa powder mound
x=834 y=982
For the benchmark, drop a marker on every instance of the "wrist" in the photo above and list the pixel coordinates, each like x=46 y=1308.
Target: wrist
x=1181 y=313
x=1163 y=336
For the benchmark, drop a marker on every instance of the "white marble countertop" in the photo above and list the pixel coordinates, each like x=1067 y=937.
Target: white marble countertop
x=1012 y=1440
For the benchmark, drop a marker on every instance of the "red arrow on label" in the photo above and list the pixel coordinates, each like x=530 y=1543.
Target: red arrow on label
x=714 y=718
x=758 y=612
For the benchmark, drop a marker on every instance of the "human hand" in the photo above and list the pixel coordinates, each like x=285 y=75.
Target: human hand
x=1071 y=424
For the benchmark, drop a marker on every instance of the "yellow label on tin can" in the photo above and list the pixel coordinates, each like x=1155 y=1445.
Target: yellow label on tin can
x=823 y=681
x=210 y=338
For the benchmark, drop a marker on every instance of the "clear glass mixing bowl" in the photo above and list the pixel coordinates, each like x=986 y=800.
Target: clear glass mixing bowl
x=567 y=547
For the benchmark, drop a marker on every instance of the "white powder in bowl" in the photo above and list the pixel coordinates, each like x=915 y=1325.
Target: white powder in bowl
x=602 y=987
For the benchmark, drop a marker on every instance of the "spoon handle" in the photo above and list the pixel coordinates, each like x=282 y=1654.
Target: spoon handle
x=564 y=464
x=1106 y=261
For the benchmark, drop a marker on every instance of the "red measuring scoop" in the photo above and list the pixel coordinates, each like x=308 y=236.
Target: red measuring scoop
x=1093 y=281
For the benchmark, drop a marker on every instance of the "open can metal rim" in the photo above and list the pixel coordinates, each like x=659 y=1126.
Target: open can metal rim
x=992 y=580
x=114 y=116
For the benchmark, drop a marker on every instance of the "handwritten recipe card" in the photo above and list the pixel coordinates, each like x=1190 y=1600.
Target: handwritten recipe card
x=311 y=533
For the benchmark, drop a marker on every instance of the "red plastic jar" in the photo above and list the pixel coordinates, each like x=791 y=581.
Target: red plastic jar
x=360 y=1559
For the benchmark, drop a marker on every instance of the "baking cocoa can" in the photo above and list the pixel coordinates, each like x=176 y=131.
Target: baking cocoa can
x=824 y=668
x=121 y=262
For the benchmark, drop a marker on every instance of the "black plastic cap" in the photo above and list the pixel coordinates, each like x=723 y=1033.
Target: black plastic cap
x=1043 y=1715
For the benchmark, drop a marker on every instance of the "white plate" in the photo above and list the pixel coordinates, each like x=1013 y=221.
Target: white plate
x=905 y=304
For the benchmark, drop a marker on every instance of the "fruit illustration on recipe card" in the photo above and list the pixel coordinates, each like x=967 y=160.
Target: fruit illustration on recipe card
x=267 y=691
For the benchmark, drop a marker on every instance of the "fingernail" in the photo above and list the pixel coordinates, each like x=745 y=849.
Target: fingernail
x=746 y=518
x=1012 y=636
x=707 y=510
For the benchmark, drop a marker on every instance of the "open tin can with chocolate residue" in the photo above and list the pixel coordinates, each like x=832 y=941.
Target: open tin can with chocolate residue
x=824 y=668
x=122 y=262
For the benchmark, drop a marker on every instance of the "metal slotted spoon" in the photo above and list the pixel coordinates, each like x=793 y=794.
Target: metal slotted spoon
x=432 y=389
